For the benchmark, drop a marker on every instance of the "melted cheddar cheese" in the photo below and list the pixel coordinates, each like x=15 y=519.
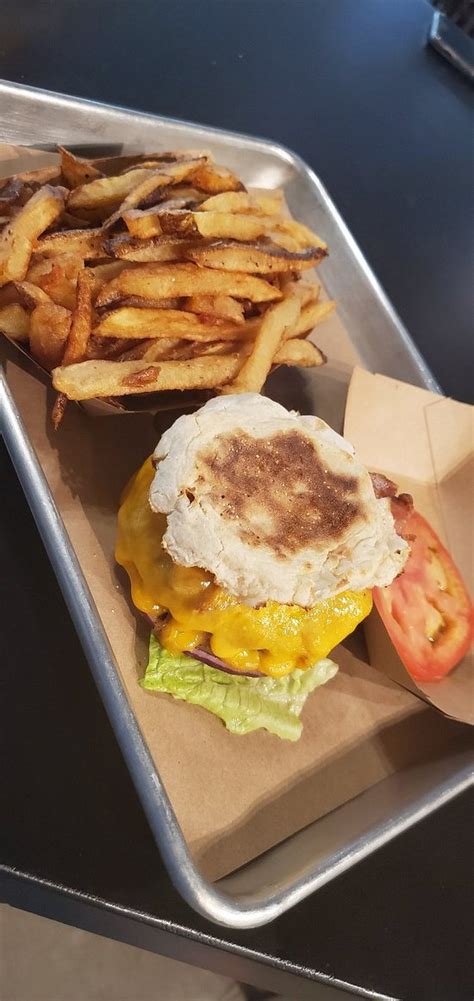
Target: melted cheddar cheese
x=273 y=639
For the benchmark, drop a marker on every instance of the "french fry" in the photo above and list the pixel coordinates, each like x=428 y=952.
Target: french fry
x=267 y=203
x=296 y=352
x=15 y=322
x=138 y=301
x=18 y=237
x=253 y=258
x=214 y=179
x=109 y=347
x=108 y=378
x=154 y=349
x=91 y=379
x=81 y=320
x=49 y=329
x=79 y=333
x=106 y=191
x=57 y=277
x=31 y=295
x=162 y=281
x=145 y=192
x=86 y=243
x=213 y=225
x=202 y=289
x=273 y=327
x=146 y=222
x=224 y=307
x=132 y=248
x=312 y=314
x=303 y=236
x=105 y=272
x=44 y=175
x=75 y=170
x=111 y=165
x=128 y=321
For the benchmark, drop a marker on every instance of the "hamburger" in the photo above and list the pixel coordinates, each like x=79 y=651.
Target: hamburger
x=253 y=538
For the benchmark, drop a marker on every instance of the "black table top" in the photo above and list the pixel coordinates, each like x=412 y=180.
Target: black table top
x=385 y=123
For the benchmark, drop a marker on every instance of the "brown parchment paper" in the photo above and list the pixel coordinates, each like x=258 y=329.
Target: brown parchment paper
x=234 y=797
x=425 y=443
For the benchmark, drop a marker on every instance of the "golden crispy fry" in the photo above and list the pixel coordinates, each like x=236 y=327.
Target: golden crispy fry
x=58 y=410
x=277 y=321
x=107 y=378
x=132 y=248
x=253 y=258
x=86 y=243
x=305 y=291
x=111 y=165
x=312 y=314
x=222 y=306
x=15 y=321
x=75 y=170
x=108 y=347
x=139 y=301
x=145 y=192
x=284 y=240
x=296 y=352
x=180 y=303
x=18 y=237
x=128 y=321
x=146 y=222
x=214 y=179
x=57 y=277
x=45 y=175
x=81 y=320
x=31 y=295
x=215 y=225
x=153 y=349
x=49 y=329
x=105 y=272
x=106 y=191
x=79 y=333
x=161 y=281
x=143 y=223
x=303 y=236
x=170 y=349
x=267 y=203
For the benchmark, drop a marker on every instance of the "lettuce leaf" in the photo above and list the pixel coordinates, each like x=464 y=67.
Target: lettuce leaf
x=243 y=704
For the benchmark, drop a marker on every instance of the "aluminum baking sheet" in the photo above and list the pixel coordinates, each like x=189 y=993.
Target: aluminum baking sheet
x=276 y=881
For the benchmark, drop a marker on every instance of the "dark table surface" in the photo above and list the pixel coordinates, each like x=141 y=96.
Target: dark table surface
x=386 y=124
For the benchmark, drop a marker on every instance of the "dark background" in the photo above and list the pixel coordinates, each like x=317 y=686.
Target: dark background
x=385 y=123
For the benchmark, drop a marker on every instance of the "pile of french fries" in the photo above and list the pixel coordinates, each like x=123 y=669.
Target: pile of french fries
x=152 y=272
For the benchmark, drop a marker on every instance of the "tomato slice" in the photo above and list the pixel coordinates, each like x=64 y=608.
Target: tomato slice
x=427 y=610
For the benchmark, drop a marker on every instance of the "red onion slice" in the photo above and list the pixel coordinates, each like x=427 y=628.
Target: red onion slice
x=208 y=658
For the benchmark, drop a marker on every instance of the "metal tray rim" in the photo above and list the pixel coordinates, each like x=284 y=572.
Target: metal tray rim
x=238 y=910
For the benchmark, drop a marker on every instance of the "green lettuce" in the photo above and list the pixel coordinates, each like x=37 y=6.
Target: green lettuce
x=243 y=704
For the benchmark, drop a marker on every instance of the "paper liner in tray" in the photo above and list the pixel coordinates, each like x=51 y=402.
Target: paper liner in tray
x=424 y=442
x=234 y=796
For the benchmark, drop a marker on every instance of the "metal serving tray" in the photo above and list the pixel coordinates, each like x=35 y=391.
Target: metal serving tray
x=276 y=881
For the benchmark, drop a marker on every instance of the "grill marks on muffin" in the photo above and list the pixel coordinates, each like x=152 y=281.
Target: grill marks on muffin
x=278 y=491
